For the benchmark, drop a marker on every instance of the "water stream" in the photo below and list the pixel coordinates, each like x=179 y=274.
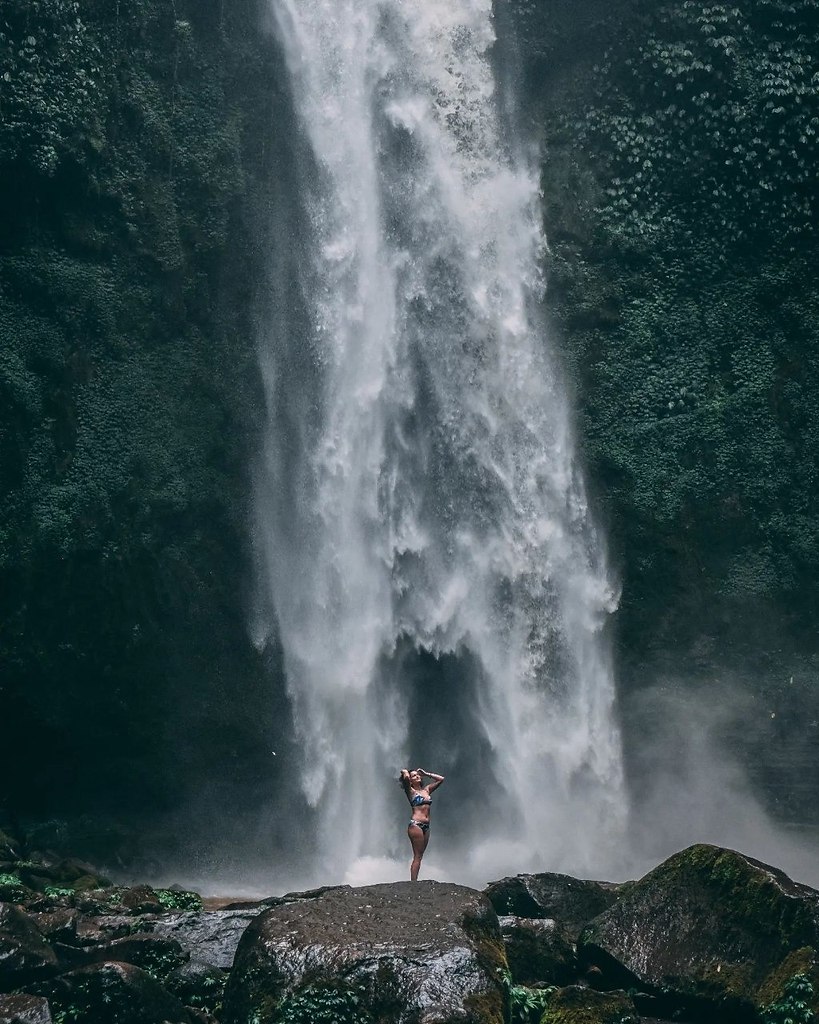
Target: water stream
x=435 y=580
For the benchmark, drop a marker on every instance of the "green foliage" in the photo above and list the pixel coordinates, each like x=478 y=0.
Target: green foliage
x=528 y=1004
x=51 y=83
x=680 y=213
x=323 y=1004
x=128 y=383
x=179 y=899
x=794 y=1006
x=710 y=120
x=58 y=892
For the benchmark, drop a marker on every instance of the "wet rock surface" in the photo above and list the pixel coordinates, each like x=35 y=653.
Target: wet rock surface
x=211 y=937
x=708 y=937
x=538 y=950
x=720 y=931
x=24 y=951
x=571 y=902
x=423 y=953
x=24 y=1009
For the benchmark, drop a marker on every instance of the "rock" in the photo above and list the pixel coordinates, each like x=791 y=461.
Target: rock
x=10 y=848
x=711 y=926
x=92 y=931
x=57 y=925
x=70 y=870
x=572 y=902
x=24 y=1009
x=111 y=993
x=87 y=883
x=575 y=1005
x=538 y=951
x=410 y=953
x=210 y=936
x=157 y=956
x=115 y=900
x=24 y=952
x=140 y=899
x=198 y=985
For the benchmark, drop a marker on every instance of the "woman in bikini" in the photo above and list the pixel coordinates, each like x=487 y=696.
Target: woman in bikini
x=420 y=798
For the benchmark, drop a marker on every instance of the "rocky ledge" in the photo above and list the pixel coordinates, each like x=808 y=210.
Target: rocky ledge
x=708 y=936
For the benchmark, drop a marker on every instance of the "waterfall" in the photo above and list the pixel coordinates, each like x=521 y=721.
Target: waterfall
x=434 y=578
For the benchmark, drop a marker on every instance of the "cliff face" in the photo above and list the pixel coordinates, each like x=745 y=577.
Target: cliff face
x=137 y=150
x=142 y=147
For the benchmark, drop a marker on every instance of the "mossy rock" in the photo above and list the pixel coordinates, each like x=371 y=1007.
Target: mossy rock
x=709 y=925
x=584 y=1006
x=575 y=1005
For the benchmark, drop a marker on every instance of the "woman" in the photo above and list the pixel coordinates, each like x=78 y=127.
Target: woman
x=420 y=798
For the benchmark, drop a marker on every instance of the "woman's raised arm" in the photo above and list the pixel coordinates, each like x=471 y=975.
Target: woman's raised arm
x=436 y=779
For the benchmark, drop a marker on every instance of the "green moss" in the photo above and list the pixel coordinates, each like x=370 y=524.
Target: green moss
x=487 y=1008
x=801 y=962
x=584 y=1006
x=748 y=896
x=488 y=943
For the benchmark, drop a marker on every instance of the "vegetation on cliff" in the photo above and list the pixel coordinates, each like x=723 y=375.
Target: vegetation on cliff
x=135 y=156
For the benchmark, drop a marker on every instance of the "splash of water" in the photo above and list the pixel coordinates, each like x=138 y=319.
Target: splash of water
x=419 y=487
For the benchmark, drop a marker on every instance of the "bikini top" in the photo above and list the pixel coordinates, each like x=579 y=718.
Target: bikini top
x=418 y=800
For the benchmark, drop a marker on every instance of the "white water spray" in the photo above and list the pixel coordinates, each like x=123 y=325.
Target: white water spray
x=419 y=487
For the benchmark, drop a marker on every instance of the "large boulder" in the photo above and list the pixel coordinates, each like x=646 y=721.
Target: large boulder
x=405 y=953
x=24 y=952
x=712 y=927
x=572 y=902
x=112 y=993
x=538 y=950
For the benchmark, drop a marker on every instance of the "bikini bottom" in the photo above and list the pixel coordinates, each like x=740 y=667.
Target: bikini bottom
x=423 y=825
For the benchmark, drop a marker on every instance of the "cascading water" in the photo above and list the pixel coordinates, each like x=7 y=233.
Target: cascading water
x=419 y=496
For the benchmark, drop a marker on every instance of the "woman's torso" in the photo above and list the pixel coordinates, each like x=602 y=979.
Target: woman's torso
x=420 y=808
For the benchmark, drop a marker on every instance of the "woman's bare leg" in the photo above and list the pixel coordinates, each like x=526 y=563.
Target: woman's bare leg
x=419 y=840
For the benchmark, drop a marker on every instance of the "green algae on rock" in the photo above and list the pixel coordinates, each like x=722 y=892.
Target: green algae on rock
x=712 y=925
x=575 y=1005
